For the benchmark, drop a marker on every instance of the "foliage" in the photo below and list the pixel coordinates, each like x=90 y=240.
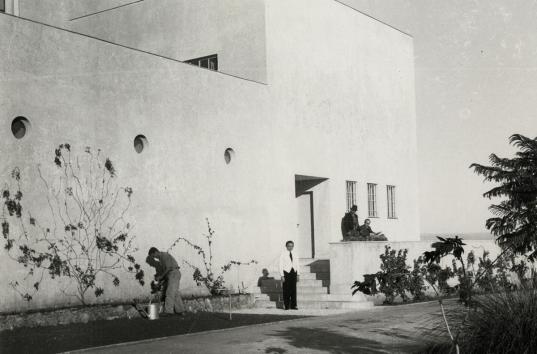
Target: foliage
x=515 y=218
x=451 y=246
x=416 y=283
x=393 y=277
x=503 y=322
x=486 y=279
x=205 y=274
x=399 y=279
x=88 y=239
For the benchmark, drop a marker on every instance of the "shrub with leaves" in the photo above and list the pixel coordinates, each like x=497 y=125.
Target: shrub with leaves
x=416 y=282
x=86 y=239
x=213 y=280
x=393 y=277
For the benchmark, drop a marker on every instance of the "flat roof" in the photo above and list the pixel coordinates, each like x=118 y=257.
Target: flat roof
x=373 y=18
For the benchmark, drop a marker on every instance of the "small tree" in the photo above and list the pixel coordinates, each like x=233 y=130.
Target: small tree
x=214 y=281
x=515 y=218
x=88 y=239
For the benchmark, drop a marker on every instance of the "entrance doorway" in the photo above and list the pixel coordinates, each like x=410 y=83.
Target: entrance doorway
x=305 y=225
x=305 y=214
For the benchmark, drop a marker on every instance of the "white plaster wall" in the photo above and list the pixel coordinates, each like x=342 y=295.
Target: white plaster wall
x=59 y=12
x=351 y=121
x=349 y=261
x=78 y=90
x=343 y=88
x=179 y=29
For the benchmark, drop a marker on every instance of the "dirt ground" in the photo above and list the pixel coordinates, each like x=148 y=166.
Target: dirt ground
x=78 y=336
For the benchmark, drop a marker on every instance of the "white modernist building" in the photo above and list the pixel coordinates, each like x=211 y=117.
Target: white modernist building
x=268 y=117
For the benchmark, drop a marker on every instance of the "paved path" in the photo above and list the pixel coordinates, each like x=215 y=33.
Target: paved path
x=395 y=329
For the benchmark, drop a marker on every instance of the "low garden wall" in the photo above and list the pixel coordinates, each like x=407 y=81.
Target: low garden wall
x=53 y=317
x=349 y=261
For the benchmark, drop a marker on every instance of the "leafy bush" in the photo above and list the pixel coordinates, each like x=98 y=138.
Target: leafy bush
x=416 y=283
x=393 y=277
x=481 y=276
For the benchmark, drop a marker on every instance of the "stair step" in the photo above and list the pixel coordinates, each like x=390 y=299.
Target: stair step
x=314 y=269
x=305 y=261
x=311 y=290
x=262 y=297
x=311 y=297
x=329 y=297
x=305 y=304
x=310 y=282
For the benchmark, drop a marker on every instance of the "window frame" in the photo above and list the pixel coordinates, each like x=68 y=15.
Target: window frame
x=391 y=201
x=372 y=202
x=350 y=193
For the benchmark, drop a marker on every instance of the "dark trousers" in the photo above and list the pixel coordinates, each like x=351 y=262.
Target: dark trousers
x=289 y=289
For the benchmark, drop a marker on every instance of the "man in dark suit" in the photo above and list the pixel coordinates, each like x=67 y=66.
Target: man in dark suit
x=349 y=225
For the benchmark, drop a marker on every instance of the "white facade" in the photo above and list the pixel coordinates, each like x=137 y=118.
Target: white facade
x=309 y=94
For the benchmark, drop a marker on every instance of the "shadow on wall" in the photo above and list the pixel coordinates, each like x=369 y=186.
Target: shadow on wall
x=273 y=288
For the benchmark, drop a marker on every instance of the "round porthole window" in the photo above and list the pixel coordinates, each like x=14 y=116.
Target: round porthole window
x=20 y=127
x=140 y=143
x=229 y=155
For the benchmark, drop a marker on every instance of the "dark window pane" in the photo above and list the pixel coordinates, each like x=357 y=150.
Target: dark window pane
x=2 y=5
x=209 y=62
x=213 y=63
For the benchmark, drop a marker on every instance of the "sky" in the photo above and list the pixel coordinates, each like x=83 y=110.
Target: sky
x=476 y=84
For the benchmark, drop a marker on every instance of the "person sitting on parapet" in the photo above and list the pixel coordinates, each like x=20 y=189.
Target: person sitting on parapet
x=264 y=277
x=349 y=225
x=369 y=235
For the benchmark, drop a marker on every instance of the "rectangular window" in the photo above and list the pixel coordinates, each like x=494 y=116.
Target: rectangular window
x=2 y=5
x=390 y=192
x=209 y=62
x=351 y=194
x=372 y=199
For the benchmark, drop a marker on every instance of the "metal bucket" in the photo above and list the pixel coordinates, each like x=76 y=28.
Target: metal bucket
x=152 y=311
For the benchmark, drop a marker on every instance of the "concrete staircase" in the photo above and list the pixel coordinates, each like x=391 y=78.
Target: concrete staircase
x=313 y=289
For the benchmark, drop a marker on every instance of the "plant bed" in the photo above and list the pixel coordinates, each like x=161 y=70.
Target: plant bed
x=54 y=339
x=427 y=298
x=85 y=314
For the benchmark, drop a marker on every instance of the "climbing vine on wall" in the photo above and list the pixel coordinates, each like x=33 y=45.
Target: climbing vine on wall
x=86 y=239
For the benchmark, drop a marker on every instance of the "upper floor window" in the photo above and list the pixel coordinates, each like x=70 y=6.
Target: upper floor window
x=209 y=62
x=372 y=200
x=390 y=191
x=351 y=194
x=9 y=7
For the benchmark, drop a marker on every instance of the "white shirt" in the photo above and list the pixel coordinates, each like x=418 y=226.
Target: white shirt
x=286 y=264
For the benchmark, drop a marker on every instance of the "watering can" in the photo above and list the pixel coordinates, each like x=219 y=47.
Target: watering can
x=151 y=311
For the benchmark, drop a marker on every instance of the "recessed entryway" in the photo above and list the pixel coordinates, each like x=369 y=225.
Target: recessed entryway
x=307 y=190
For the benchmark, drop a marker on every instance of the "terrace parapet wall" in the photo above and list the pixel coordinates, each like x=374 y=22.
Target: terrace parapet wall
x=349 y=261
